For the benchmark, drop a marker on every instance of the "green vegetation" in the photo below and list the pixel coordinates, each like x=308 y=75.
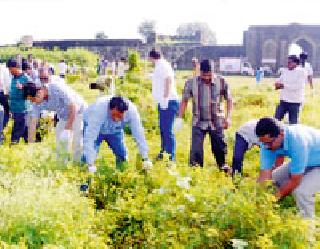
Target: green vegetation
x=170 y=207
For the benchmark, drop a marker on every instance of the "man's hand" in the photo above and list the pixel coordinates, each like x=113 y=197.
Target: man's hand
x=92 y=168
x=147 y=165
x=19 y=86
x=278 y=85
x=178 y=124
x=226 y=122
x=65 y=136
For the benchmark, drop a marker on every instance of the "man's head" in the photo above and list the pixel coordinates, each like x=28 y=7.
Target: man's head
x=293 y=62
x=205 y=71
x=154 y=55
x=26 y=67
x=270 y=132
x=118 y=106
x=14 y=67
x=44 y=75
x=34 y=94
x=194 y=62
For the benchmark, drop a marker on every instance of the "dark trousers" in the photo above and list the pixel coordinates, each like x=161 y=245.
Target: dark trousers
x=218 y=146
x=19 y=129
x=5 y=103
x=291 y=108
x=166 y=120
x=240 y=148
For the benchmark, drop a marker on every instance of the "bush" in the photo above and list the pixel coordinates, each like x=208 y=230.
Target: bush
x=134 y=61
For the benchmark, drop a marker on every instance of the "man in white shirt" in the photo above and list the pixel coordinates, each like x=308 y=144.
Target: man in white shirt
x=165 y=94
x=121 y=69
x=306 y=66
x=5 y=81
x=62 y=68
x=291 y=85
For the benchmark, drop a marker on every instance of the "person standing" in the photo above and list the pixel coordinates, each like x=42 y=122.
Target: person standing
x=165 y=94
x=17 y=103
x=62 y=66
x=195 y=67
x=291 y=85
x=301 y=174
x=207 y=92
x=5 y=82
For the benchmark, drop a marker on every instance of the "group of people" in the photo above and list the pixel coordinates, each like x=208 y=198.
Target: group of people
x=117 y=68
x=210 y=93
x=81 y=129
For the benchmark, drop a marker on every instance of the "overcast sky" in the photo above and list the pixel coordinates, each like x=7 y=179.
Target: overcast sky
x=65 y=19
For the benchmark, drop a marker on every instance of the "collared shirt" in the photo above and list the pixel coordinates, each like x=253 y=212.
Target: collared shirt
x=98 y=120
x=301 y=144
x=162 y=71
x=293 y=85
x=60 y=96
x=17 y=102
x=207 y=98
x=248 y=132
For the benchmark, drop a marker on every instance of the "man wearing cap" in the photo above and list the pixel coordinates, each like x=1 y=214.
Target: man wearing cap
x=17 y=102
x=300 y=176
x=207 y=92
x=105 y=120
x=291 y=85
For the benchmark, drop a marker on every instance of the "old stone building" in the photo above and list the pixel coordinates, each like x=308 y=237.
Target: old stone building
x=262 y=45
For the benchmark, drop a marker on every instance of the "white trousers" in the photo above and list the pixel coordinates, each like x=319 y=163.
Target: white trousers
x=75 y=144
x=305 y=192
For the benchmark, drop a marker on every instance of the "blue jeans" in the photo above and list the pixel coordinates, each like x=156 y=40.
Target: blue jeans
x=19 y=129
x=166 y=120
x=116 y=143
x=240 y=148
x=291 y=108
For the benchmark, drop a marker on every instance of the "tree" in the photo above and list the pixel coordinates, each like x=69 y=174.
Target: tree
x=101 y=35
x=189 y=29
x=146 y=28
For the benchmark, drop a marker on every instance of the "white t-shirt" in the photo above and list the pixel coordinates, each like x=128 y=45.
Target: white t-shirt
x=248 y=132
x=162 y=71
x=308 y=70
x=121 y=69
x=293 y=85
x=62 y=68
x=5 y=79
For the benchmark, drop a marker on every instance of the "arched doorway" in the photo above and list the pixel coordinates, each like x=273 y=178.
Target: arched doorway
x=306 y=46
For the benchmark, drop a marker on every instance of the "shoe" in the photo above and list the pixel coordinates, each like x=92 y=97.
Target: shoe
x=84 y=187
x=159 y=156
x=225 y=168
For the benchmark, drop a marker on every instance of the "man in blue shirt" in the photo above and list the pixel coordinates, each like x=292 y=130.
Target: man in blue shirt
x=104 y=121
x=17 y=102
x=302 y=174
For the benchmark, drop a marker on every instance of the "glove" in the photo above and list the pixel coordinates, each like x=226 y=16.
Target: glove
x=92 y=169
x=65 y=136
x=147 y=165
x=164 y=104
x=178 y=124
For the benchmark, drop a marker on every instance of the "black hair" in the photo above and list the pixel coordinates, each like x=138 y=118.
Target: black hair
x=30 y=90
x=303 y=56
x=154 y=54
x=25 y=66
x=119 y=103
x=268 y=126
x=205 y=66
x=12 y=63
x=294 y=58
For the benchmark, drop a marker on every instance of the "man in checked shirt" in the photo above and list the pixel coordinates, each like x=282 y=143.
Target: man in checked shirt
x=208 y=93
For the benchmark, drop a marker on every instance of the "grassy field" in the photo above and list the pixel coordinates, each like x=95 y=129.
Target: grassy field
x=180 y=207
